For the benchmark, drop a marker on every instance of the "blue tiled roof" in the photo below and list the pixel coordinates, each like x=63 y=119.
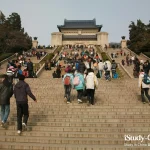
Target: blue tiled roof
x=75 y=24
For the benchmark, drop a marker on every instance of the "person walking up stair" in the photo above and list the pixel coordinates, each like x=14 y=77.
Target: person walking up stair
x=21 y=90
x=6 y=92
x=68 y=84
x=79 y=84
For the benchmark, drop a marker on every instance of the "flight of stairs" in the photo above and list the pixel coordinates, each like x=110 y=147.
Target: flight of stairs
x=55 y=125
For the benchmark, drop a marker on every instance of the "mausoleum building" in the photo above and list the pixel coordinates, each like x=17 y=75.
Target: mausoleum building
x=84 y=32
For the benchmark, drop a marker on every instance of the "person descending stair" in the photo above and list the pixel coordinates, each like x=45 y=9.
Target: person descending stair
x=21 y=90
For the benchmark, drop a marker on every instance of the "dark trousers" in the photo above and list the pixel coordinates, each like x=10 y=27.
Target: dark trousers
x=22 y=111
x=144 y=91
x=30 y=73
x=90 y=95
x=79 y=94
x=67 y=91
x=107 y=75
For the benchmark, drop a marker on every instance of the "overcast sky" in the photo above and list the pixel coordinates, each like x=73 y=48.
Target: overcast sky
x=41 y=17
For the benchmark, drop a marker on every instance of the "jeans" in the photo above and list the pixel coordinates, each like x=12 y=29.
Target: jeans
x=145 y=90
x=79 y=94
x=107 y=75
x=30 y=73
x=90 y=95
x=67 y=91
x=100 y=73
x=5 y=110
x=22 y=111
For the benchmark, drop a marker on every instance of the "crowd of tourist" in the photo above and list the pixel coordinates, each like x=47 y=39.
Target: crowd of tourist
x=80 y=71
x=83 y=66
x=22 y=65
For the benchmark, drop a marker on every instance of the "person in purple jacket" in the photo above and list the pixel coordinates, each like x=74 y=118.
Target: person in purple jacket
x=21 y=90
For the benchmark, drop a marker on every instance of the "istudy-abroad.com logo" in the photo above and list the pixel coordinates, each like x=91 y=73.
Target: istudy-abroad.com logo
x=139 y=138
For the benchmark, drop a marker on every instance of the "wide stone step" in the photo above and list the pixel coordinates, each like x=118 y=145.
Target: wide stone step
x=81 y=124
x=60 y=140
x=51 y=112
x=39 y=146
x=87 y=116
x=84 y=107
x=85 y=129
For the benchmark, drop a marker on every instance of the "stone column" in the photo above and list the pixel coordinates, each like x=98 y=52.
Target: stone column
x=35 y=44
x=56 y=39
x=102 y=39
x=123 y=43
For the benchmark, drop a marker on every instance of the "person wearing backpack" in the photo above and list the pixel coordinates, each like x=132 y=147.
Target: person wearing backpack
x=113 y=68
x=79 y=84
x=68 y=84
x=144 y=85
x=91 y=83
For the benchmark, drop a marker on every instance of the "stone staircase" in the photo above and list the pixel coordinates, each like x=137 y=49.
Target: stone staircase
x=55 y=125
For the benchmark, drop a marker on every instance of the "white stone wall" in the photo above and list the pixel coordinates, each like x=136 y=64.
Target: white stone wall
x=56 y=38
x=35 y=44
x=80 y=42
x=102 y=39
x=80 y=32
x=123 y=43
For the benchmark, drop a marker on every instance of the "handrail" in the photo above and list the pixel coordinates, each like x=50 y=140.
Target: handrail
x=145 y=56
x=6 y=59
x=117 y=63
x=42 y=67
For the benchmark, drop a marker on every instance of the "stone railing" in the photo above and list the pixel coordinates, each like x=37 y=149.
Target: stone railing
x=119 y=64
x=143 y=55
x=9 y=58
x=38 y=73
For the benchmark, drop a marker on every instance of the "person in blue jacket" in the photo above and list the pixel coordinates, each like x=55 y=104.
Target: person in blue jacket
x=80 y=87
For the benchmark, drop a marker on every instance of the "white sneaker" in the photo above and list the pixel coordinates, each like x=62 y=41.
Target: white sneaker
x=68 y=102
x=79 y=100
x=2 y=124
x=19 y=132
x=24 y=126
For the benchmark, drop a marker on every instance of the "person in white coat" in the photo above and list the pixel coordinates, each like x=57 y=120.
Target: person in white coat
x=91 y=83
x=107 y=68
x=100 y=68
x=144 y=87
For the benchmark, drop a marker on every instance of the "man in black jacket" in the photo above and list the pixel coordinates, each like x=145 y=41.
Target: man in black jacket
x=6 y=92
x=30 y=68
x=21 y=91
